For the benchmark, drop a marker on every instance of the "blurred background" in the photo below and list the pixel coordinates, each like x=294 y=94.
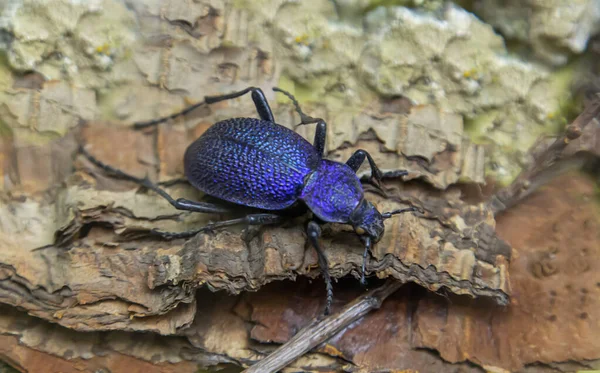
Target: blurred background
x=467 y=96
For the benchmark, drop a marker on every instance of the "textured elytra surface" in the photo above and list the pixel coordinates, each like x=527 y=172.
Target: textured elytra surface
x=251 y=162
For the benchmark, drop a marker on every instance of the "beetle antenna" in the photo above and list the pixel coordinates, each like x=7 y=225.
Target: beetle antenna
x=387 y=215
x=305 y=119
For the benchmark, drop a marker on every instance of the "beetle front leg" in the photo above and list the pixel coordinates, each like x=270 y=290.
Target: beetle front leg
x=367 y=241
x=357 y=159
x=314 y=232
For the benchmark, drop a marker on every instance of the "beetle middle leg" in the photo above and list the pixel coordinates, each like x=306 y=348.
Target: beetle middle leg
x=321 y=130
x=250 y=219
x=314 y=232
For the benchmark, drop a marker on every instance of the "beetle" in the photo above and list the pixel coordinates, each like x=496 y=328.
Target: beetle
x=265 y=166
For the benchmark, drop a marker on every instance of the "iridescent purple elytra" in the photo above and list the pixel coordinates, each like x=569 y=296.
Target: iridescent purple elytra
x=262 y=164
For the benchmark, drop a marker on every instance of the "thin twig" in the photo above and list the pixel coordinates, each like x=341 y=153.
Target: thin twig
x=321 y=330
x=546 y=165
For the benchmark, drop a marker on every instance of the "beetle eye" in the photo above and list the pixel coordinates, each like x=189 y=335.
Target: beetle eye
x=360 y=230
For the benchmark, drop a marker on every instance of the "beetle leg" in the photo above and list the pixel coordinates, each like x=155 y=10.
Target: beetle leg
x=321 y=131
x=367 y=241
x=314 y=232
x=320 y=136
x=251 y=219
x=357 y=159
x=179 y=204
x=260 y=101
x=153 y=122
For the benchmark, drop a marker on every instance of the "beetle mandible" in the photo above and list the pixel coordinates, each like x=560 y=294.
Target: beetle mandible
x=260 y=164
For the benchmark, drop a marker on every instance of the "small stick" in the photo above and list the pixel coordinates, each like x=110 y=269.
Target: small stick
x=321 y=330
x=545 y=166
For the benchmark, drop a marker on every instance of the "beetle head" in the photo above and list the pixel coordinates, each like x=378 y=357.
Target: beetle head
x=368 y=222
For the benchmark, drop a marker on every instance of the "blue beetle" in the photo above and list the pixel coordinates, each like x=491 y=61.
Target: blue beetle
x=260 y=164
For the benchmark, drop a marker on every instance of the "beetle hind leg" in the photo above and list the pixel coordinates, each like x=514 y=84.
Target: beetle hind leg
x=154 y=122
x=179 y=204
x=187 y=205
x=262 y=107
x=260 y=101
